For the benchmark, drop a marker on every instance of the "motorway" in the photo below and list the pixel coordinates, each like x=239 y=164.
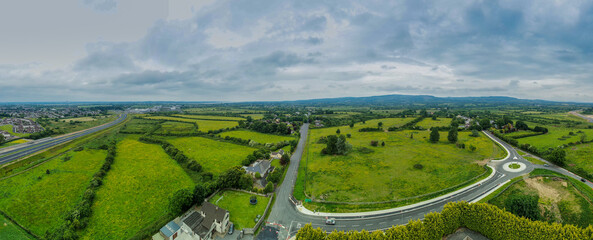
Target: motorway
x=27 y=149
x=590 y=119
x=287 y=219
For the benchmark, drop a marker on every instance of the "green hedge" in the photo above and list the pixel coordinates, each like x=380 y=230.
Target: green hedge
x=489 y=220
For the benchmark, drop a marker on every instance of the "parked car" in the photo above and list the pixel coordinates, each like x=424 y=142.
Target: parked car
x=231 y=229
x=330 y=221
x=583 y=180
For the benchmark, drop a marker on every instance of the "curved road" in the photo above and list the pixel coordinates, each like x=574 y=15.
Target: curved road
x=43 y=144
x=288 y=219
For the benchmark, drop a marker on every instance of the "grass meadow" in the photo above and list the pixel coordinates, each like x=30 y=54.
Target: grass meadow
x=139 y=125
x=135 y=192
x=427 y=123
x=370 y=174
x=556 y=136
x=214 y=156
x=241 y=211
x=175 y=128
x=8 y=128
x=37 y=200
x=208 y=117
x=256 y=136
x=581 y=156
x=558 y=201
x=255 y=116
x=203 y=125
x=68 y=127
x=79 y=119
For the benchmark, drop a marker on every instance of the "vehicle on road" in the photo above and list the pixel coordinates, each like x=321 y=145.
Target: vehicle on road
x=583 y=180
x=546 y=165
x=330 y=221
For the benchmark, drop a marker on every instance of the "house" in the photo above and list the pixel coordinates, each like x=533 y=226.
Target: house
x=202 y=225
x=260 y=166
x=170 y=231
x=277 y=155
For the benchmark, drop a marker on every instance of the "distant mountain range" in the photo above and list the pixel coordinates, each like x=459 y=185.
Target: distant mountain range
x=396 y=99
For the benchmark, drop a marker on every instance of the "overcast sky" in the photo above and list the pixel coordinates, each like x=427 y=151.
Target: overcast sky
x=137 y=50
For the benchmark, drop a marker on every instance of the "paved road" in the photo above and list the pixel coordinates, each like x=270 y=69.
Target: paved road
x=43 y=144
x=288 y=219
x=590 y=119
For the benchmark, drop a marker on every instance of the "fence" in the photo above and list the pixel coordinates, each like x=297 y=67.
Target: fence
x=251 y=231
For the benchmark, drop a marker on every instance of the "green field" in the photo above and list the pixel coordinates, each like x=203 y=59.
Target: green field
x=208 y=117
x=387 y=173
x=214 y=156
x=534 y=160
x=135 y=191
x=556 y=136
x=256 y=136
x=8 y=230
x=138 y=125
x=37 y=200
x=427 y=123
x=203 y=125
x=581 y=156
x=175 y=128
x=558 y=201
x=241 y=211
x=12 y=143
x=79 y=119
x=8 y=128
x=254 y=116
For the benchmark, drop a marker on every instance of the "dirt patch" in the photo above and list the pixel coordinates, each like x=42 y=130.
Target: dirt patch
x=482 y=162
x=545 y=192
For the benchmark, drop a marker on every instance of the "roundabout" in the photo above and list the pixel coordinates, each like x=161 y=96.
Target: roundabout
x=514 y=166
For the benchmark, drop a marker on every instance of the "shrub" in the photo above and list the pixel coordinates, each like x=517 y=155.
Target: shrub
x=374 y=143
x=418 y=166
x=434 y=135
x=180 y=201
x=269 y=187
x=257 y=175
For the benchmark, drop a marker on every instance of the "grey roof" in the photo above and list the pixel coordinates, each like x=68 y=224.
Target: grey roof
x=194 y=221
x=260 y=166
x=212 y=213
x=169 y=229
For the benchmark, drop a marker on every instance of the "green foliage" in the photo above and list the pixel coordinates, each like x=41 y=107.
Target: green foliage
x=452 y=136
x=486 y=219
x=336 y=145
x=257 y=175
x=523 y=205
x=180 y=201
x=242 y=213
x=434 y=135
x=285 y=159
x=558 y=157
x=235 y=178
x=256 y=136
x=269 y=187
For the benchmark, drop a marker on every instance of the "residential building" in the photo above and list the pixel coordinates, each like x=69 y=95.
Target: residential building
x=170 y=231
x=277 y=155
x=203 y=224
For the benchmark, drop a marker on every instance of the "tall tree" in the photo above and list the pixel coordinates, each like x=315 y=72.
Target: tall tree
x=452 y=137
x=434 y=135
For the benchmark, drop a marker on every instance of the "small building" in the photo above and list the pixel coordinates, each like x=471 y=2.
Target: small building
x=201 y=225
x=170 y=231
x=277 y=155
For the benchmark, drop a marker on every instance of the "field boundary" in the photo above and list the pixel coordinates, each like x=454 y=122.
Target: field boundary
x=251 y=231
x=19 y=225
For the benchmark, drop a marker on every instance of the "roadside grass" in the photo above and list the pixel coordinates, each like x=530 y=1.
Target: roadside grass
x=534 y=160
x=387 y=122
x=242 y=213
x=203 y=125
x=255 y=116
x=520 y=152
x=214 y=156
x=139 y=125
x=559 y=201
x=175 y=128
x=8 y=128
x=209 y=117
x=37 y=200
x=15 y=142
x=135 y=192
x=556 y=136
x=257 y=137
x=63 y=127
x=9 y=230
x=520 y=134
x=371 y=174
x=80 y=119
x=501 y=189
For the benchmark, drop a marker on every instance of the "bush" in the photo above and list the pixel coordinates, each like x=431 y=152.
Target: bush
x=434 y=135
x=257 y=175
x=269 y=187
x=523 y=205
x=418 y=166
x=180 y=201
x=374 y=143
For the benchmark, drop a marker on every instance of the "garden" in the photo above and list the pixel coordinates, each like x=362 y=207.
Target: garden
x=242 y=212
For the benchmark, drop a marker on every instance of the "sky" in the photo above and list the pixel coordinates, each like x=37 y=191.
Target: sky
x=218 y=50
